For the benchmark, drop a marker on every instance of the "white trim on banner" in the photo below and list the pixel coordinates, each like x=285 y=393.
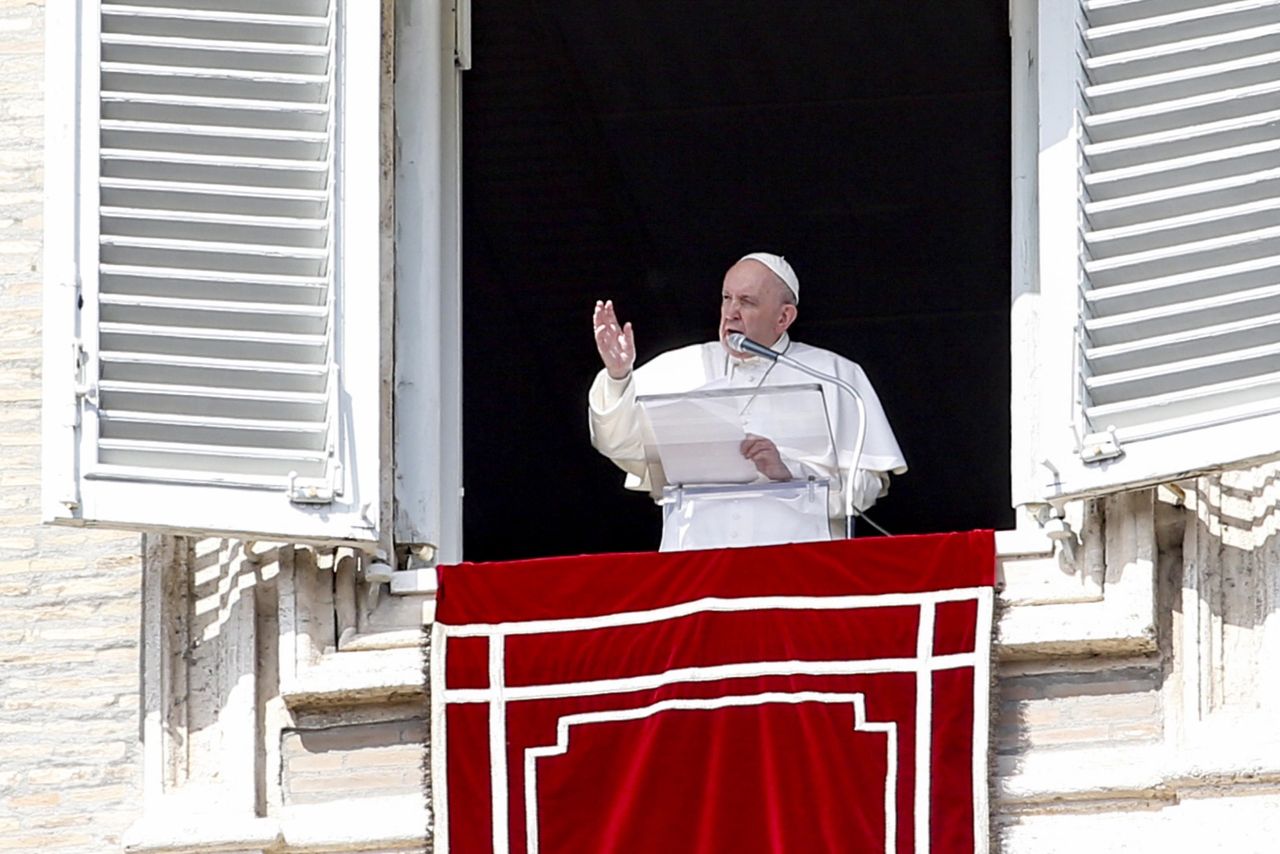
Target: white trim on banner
x=716 y=604
x=924 y=726
x=860 y=724
x=712 y=673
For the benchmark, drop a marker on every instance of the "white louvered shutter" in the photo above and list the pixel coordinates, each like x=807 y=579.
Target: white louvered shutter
x=219 y=370
x=1160 y=237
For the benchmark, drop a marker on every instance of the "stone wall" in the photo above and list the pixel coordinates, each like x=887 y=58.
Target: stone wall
x=70 y=608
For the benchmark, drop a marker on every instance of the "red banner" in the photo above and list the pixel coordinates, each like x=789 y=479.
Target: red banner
x=803 y=698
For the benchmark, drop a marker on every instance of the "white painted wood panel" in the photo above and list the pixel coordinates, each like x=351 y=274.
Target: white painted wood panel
x=1159 y=181
x=220 y=370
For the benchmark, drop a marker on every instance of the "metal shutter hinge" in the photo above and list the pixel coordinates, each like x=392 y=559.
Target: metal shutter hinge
x=1098 y=447
x=83 y=387
x=315 y=490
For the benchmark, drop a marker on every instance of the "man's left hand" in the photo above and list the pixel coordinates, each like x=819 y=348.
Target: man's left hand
x=764 y=454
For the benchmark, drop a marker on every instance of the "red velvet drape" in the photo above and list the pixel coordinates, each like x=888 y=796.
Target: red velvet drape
x=812 y=697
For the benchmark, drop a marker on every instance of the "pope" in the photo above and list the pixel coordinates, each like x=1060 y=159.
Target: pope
x=759 y=298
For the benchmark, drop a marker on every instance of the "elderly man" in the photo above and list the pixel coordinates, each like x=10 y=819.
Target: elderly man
x=759 y=299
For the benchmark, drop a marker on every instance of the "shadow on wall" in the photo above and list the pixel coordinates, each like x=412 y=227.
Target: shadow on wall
x=214 y=604
x=1231 y=589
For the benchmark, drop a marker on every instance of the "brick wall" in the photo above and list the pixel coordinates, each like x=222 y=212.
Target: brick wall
x=70 y=770
x=353 y=760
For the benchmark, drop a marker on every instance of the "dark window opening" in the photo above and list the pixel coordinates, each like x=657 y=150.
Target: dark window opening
x=634 y=150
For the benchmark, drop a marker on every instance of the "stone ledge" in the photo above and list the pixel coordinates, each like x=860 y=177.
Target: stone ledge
x=390 y=824
x=1076 y=629
x=366 y=676
x=357 y=824
x=1072 y=780
x=182 y=831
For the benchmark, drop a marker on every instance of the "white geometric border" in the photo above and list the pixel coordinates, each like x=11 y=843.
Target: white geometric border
x=923 y=666
x=860 y=724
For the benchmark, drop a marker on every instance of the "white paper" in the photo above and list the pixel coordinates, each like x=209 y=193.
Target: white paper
x=700 y=441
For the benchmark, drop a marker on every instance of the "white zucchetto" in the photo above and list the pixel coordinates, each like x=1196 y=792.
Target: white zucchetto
x=780 y=268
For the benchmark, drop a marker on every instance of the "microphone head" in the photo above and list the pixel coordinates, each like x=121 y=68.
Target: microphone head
x=736 y=340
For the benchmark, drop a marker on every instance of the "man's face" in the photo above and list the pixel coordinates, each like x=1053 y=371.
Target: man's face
x=751 y=302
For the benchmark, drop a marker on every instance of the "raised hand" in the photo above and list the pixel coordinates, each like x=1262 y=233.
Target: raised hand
x=616 y=343
x=764 y=454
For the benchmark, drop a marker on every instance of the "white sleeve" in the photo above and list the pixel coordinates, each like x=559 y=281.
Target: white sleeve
x=867 y=487
x=614 y=422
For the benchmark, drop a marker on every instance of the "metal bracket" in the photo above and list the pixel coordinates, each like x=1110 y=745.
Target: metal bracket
x=1098 y=447
x=310 y=490
x=462 y=34
x=85 y=387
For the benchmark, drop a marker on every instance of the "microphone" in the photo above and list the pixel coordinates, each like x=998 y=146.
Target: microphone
x=743 y=344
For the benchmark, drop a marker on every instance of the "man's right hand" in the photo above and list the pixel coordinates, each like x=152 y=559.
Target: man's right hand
x=616 y=343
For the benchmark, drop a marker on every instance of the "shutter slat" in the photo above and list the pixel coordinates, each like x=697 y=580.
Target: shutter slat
x=1181 y=344
x=224 y=459
x=178 y=282
x=159 y=132
x=1161 y=175
x=1184 y=198
x=1185 y=229
x=1192 y=80
x=230 y=47
x=200 y=314
x=216 y=343
x=228 y=229
x=1180 y=112
x=302 y=254
x=217 y=429
x=177 y=168
x=174 y=75
x=306 y=408
x=160 y=183
x=1188 y=140
x=197 y=14
x=1212 y=404
x=187 y=218
x=213 y=372
x=1153 y=318
x=1183 y=376
x=1199 y=253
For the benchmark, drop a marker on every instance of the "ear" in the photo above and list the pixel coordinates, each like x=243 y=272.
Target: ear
x=788 y=317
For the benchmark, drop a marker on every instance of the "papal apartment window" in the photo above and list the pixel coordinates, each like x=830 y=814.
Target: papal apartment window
x=635 y=151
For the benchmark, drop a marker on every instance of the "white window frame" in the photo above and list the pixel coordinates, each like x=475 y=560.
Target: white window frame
x=432 y=48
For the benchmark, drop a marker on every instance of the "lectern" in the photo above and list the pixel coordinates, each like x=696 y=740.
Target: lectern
x=713 y=497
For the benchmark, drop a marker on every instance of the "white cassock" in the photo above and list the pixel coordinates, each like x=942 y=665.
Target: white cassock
x=617 y=432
